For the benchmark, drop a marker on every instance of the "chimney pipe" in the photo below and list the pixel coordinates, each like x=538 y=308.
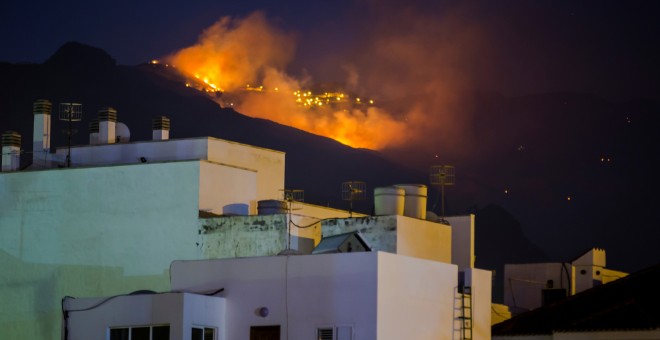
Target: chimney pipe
x=107 y=125
x=11 y=151
x=160 y=128
x=94 y=132
x=41 y=133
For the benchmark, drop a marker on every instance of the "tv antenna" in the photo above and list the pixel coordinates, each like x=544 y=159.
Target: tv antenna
x=353 y=191
x=442 y=175
x=290 y=196
x=70 y=112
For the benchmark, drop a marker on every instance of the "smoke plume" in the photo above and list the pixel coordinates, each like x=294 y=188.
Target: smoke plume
x=411 y=65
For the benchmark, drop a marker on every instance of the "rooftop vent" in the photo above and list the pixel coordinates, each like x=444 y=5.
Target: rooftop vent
x=11 y=151
x=161 y=128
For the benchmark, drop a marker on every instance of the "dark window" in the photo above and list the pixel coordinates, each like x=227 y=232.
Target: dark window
x=119 y=334
x=335 y=333
x=265 y=332
x=160 y=333
x=325 y=333
x=202 y=333
x=141 y=333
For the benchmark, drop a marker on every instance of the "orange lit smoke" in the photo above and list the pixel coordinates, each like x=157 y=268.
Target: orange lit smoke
x=234 y=53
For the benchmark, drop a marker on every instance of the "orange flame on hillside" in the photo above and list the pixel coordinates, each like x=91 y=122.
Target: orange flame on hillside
x=233 y=53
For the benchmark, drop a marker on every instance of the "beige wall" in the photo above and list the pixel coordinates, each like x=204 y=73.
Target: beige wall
x=398 y=234
x=415 y=298
x=221 y=185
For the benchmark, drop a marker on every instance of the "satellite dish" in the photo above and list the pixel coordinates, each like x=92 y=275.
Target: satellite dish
x=442 y=175
x=122 y=132
x=353 y=191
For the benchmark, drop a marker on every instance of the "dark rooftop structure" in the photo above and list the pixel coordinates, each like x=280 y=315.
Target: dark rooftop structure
x=342 y=243
x=630 y=303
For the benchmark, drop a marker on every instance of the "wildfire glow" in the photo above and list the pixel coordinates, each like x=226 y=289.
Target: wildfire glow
x=233 y=54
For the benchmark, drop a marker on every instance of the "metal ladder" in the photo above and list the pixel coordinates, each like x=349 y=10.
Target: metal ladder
x=466 y=317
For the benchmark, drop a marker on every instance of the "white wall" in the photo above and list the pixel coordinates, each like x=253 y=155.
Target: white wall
x=523 y=283
x=313 y=290
x=415 y=298
x=106 y=216
x=379 y=295
x=92 y=318
x=423 y=239
x=462 y=241
x=480 y=283
x=269 y=164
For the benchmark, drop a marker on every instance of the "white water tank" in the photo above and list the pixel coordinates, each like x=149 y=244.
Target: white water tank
x=415 y=200
x=389 y=201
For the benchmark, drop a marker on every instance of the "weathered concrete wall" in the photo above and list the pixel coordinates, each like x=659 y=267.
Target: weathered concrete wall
x=378 y=231
x=242 y=236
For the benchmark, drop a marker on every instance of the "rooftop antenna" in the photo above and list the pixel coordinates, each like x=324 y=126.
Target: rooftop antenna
x=70 y=112
x=353 y=191
x=291 y=196
x=442 y=175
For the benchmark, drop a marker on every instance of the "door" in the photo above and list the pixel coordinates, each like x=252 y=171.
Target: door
x=265 y=332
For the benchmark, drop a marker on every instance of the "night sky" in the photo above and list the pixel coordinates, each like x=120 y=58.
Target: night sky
x=428 y=53
x=606 y=47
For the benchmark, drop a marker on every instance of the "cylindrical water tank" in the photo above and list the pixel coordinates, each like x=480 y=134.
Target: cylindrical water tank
x=415 y=200
x=271 y=207
x=236 y=209
x=389 y=201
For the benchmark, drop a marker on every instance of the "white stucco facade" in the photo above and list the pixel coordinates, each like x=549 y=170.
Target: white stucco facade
x=368 y=295
x=462 y=240
x=93 y=318
x=378 y=295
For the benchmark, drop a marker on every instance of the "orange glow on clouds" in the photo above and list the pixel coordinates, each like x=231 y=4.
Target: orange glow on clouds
x=233 y=53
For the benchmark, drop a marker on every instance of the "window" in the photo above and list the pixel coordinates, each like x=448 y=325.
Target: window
x=334 y=333
x=202 y=333
x=161 y=332
x=325 y=333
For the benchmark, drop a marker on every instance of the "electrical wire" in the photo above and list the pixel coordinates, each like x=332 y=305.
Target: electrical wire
x=65 y=312
x=310 y=225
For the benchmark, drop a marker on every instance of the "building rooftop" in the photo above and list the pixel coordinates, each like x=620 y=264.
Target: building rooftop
x=629 y=303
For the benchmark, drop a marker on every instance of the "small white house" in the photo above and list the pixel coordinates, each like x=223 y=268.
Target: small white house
x=339 y=296
x=532 y=285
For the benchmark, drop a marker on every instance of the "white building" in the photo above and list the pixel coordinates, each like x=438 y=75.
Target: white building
x=115 y=220
x=532 y=285
x=361 y=295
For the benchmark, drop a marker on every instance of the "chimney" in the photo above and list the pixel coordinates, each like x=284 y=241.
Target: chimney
x=11 y=151
x=161 y=128
x=41 y=134
x=94 y=132
x=107 y=125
